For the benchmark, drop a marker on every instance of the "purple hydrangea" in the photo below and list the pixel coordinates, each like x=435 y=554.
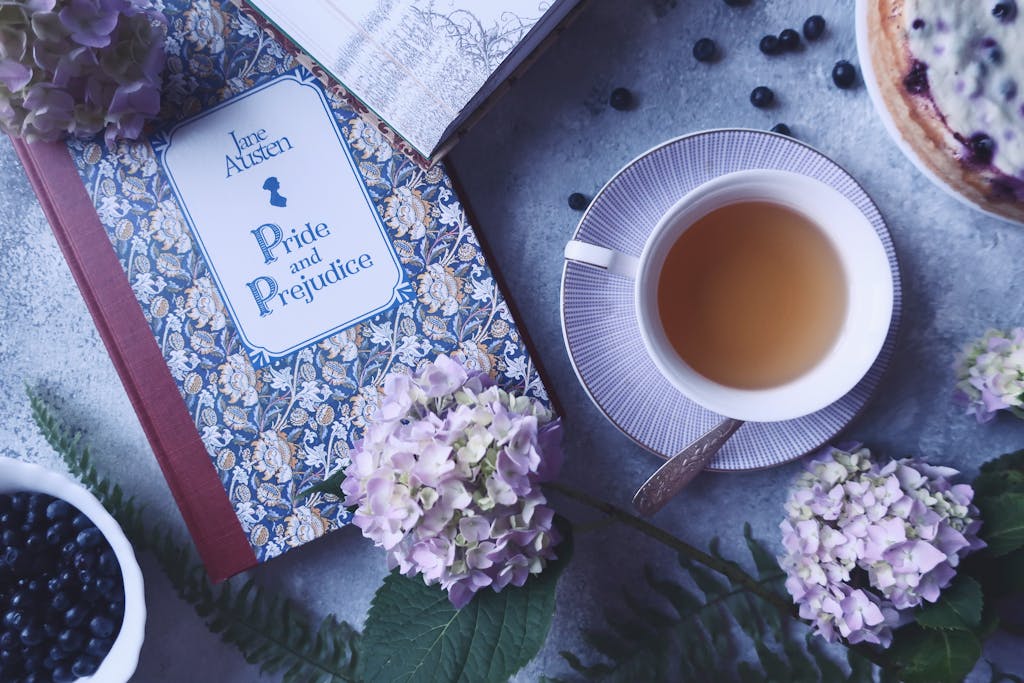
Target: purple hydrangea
x=80 y=67
x=864 y=544
x=990 y=374
x=447 y=480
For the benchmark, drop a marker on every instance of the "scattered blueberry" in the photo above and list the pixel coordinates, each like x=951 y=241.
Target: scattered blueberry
x=621 y=99
x=577 y=201
x=782 y=129
x=762 y=97
x=982 y=148
x=1005 y=10
x=843 y=74
x=995 y=55
x=789 y=39
x=704 y=50
x=918 y=24
x=770 y=45
x=814 y=27
x=916 y=82
x=1008 y=89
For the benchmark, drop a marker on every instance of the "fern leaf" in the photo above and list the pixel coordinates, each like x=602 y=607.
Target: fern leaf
x=268 y=631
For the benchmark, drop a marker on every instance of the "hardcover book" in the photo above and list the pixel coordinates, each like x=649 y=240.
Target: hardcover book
x=256 y=266
x=424 y=67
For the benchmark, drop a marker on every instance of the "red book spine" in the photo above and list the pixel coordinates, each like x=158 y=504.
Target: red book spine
x=191 y=475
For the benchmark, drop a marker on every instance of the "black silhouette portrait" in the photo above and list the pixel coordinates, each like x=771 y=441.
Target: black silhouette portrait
x=272 y=185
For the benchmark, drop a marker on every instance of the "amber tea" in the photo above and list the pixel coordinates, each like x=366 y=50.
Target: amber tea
x=752 y=295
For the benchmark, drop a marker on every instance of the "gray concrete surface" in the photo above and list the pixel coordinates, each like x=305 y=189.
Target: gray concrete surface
x=551 y=135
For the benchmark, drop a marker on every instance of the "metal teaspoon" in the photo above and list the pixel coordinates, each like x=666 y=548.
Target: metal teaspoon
x=680 y=469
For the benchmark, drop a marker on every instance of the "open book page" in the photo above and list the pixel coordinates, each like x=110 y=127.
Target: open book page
x=415 y=63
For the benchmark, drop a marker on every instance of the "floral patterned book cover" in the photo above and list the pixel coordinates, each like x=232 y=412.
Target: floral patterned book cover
x=285 y=258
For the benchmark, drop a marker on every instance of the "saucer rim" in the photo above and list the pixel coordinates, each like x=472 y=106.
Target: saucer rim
x=895 y=322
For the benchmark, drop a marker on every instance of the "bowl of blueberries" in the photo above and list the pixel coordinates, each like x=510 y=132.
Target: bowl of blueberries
x=71 y=597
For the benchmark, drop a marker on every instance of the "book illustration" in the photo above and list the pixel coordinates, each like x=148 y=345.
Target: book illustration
x=192 y=235
x=273 y=185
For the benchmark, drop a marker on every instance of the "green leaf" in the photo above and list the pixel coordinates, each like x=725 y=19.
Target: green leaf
x=958 y=608
x=934 y=656
x=765 y=562
x=413 y=633
x=331 y=485
x=1003 y=523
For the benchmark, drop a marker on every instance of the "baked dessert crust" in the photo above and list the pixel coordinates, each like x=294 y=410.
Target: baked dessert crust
x=917 y=118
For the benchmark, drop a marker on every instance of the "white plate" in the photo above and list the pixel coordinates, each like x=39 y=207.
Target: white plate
x=867 y=69
x=599 y=321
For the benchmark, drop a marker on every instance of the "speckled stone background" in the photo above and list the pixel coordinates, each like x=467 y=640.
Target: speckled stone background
x=551 y=135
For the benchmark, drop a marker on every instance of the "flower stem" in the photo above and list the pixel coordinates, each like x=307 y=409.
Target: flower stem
x=728 y=569
x=731 y=570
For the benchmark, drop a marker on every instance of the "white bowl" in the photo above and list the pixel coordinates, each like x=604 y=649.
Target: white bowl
x=120 y=663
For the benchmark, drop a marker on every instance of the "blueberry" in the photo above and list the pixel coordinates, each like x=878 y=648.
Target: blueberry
x=89 y=538
x=621 y=99
x=770 y=45
x=843 y=74
x=1005 y=10
x=916 y=82
x=782 y=129
x=108 y=564
x=57 y=653
x=81 y=522
x=1008 y=89
x=9 y=640
x=75 y=615
x=98 y=647
x=762 y=97
x=83 y=560
x=19 y=502
x=789 y=40
x=108 y=587
x=58 y=509
x=62 y=674
x=814 y=27
x=57 y=533
x=10 y=537
x=737 y=3
x=101 y=627
x=20 y=600
x=982 y=148
x=577 y=202
x=704 y=50
x=15 y=619
x=918 y=24
x=70 y=640
x=84 y=666
x=32 y=635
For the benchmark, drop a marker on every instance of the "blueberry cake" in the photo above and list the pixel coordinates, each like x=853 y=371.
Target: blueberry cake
x=951 y=73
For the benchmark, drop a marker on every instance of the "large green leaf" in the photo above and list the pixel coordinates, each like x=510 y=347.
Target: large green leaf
x=1003 y=523
x=934 y=656
x=413 y=633
x=958 y=608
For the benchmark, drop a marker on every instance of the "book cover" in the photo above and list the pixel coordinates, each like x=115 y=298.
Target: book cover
x=272 y=259
x=422 y=66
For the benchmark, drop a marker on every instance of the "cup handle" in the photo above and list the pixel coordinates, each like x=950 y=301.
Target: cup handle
x=599 y=257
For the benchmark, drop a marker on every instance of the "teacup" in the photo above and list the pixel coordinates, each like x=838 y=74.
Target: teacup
x=861 y=329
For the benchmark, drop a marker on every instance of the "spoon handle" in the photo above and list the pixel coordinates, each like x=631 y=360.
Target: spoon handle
x=680 y=469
